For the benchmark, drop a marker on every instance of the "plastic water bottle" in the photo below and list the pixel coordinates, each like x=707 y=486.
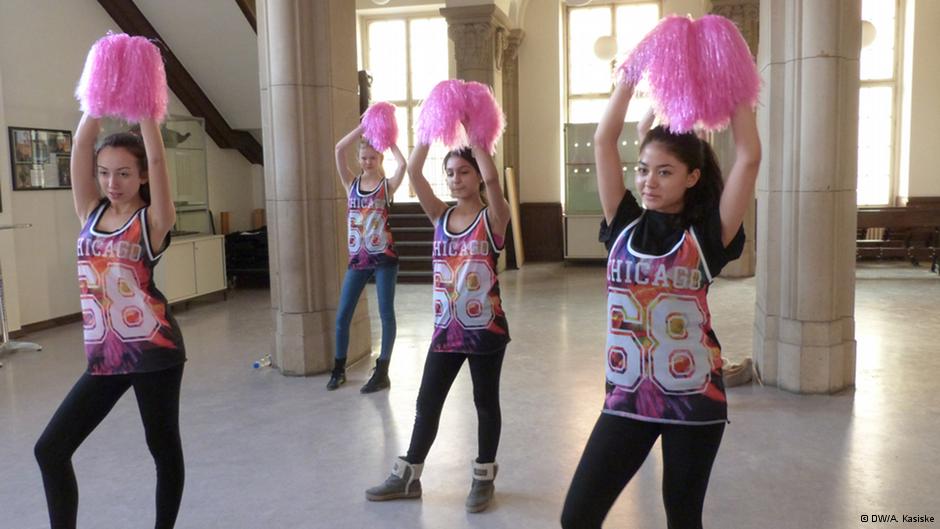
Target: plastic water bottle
x=264 y=361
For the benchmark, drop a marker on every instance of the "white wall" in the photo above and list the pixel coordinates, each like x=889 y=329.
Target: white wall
x=10 y=292
x=39 y=76
x=540 y=103
x=923 y=128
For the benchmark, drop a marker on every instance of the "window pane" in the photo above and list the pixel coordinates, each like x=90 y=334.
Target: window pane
x=633 y=23
x=586 y=110
x=586 y=73
x=387 y=59
x=877 y=59
x=428 y=55
x=589 y=110
x=433 y=170
x=875 y=134
x=389 y=163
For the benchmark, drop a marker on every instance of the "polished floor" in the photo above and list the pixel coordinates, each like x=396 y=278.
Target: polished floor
x=267 y=451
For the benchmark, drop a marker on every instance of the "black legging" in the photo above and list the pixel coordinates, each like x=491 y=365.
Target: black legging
x=440 y=370
x=615 y=451
x=158 y=397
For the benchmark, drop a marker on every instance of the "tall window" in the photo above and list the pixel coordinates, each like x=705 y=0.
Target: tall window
x=407 y=56
x=877 y=102
x=589 y=77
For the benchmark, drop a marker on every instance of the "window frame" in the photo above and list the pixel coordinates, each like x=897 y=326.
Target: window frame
x=893 y=82
x=566 y=36
x=411 y=101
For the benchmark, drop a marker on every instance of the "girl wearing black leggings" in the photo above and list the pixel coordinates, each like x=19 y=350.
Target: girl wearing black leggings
x=469 y=322
x=131 y=339
x=663 y=359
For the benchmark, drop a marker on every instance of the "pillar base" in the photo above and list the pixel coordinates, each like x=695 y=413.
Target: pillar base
x=805 y=356
x=304 y=343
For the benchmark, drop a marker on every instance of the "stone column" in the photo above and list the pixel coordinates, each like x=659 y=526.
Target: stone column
x=804 y=336
x=480 y=35
x=746 y=15
x=307 y=52
x=510 y=69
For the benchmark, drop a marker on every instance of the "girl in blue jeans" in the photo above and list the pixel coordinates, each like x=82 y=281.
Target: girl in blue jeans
x=371 y=252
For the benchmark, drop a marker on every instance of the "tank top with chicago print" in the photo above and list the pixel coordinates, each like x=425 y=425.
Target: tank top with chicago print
x=128 y=327
x=468 y=312
x=370 y=238
x=663 y=359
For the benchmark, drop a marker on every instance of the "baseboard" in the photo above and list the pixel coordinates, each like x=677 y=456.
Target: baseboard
x=45 y=324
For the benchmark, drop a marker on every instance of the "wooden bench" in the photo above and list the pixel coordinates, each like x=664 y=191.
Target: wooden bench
x=911 y=233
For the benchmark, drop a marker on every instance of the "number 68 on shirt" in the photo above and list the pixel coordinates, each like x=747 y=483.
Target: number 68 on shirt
x=672 y=354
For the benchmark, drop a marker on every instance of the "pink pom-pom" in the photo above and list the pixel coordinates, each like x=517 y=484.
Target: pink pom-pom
x=699 y=72
x=123 y=77
x=664 y=54
x=663 y=48
x=379 y=126
x=441 y=115
x=726 y=71
x=484 y=118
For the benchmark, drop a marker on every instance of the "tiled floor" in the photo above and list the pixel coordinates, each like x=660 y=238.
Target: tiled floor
x=267 y=451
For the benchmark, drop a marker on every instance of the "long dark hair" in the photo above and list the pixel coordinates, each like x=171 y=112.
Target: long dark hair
x=695 y=154
x=133 y=144
x=467 y=154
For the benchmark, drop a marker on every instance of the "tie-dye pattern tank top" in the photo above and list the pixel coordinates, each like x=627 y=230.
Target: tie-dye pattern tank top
x=468 y=313
x=128 y=327
x=370 y=238
x=663 y=359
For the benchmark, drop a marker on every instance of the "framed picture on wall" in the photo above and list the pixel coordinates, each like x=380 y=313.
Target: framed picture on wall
x=40 y=158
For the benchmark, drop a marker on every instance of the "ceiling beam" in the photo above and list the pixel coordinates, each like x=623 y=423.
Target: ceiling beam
x=248 y=8
x=133 y=22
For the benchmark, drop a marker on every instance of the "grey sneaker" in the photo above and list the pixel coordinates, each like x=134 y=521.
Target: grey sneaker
x=402 y=483
x=482 y=488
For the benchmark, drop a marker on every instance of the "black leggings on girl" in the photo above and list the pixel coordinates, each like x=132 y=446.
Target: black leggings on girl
x=158 y=395
x=615 y=451
x=440 y=370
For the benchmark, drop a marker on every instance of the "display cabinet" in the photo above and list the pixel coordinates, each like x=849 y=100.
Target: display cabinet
x=583 y=213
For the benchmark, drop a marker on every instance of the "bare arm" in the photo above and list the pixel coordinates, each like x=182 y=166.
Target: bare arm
x=498 y=205
x=346 y=174
x=433 y=207
x=85 y=191
x=739 y=187
x=395 y=181
x=161 y=215
x=645 y=124
x=609 y=171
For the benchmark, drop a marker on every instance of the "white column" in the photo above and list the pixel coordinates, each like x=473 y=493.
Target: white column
x=307 y=54
x=746 y=16
x=804 y=339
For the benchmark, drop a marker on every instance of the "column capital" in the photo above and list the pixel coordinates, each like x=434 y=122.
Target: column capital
x=480 y=34
x=477 y=14
x=513 y=40
x=745 y=14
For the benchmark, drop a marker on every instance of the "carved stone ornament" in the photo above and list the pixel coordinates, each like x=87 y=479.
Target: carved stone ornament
x=745 y=14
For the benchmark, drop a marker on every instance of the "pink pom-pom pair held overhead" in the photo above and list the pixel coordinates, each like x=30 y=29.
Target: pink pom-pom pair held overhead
x=699 y=71
x=459 y=112
x=124 y=78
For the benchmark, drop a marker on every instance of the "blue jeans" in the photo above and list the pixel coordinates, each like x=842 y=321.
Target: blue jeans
x=385 y=277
